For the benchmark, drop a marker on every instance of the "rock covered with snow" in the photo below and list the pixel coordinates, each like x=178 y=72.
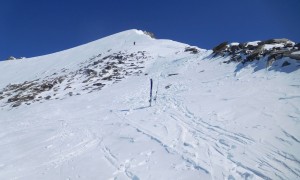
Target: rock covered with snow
x=92 y=75
x=269 y=50
x=192 y=49
x=150 y=34
x=11 y=58
x=14 y=58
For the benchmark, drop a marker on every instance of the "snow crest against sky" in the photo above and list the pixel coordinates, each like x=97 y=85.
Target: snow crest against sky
x=37 y=27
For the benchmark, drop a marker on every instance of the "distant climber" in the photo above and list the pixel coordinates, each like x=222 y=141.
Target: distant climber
x=134 y=43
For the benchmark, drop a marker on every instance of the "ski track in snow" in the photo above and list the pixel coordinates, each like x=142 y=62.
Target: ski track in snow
x=223 y=142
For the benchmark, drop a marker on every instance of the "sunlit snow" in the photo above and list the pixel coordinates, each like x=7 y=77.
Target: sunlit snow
x=207 y=121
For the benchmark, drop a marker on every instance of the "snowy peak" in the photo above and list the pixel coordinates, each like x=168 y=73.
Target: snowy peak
x=83 y=69
x=39 y=67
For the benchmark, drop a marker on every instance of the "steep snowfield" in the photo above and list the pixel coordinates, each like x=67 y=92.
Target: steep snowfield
x=209 y=120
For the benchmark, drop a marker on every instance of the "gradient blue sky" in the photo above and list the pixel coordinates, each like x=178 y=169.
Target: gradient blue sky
x=36 y=27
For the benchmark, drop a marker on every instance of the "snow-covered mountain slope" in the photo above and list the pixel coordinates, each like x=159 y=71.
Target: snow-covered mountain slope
x=84 y=113
x=82 y=69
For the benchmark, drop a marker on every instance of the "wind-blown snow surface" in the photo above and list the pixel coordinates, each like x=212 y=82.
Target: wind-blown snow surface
x=208 y=122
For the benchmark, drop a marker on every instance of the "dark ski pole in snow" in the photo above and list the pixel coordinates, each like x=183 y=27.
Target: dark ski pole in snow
x=155 y=97
x=151 y=85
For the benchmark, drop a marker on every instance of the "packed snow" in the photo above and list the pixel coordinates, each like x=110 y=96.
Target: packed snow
x=207 y=119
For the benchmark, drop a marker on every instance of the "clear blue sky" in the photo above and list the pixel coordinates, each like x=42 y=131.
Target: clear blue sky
x=36 y=27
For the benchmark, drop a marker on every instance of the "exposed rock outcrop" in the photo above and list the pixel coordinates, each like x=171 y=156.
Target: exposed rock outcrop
x=92 y=75
x=150 y=34
x=192 y=50
x=271 y=50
